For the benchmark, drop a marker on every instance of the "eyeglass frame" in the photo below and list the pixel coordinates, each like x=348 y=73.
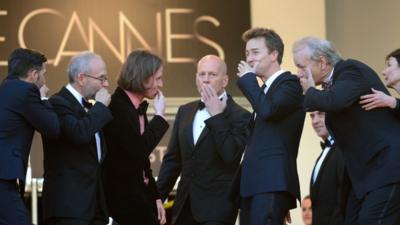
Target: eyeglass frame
x=102 y=78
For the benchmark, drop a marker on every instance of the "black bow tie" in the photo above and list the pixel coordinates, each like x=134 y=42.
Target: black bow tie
x=86 y=104
x=201 y=105
x=143 y=108
x=325 y=144
x=327 y=85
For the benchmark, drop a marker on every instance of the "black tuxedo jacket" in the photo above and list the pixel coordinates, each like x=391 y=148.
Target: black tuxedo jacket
x=269 y=163
x=327 y=192
x=207 y=167
x=128 y=156
x=21 y=112
x=72 y=172
x=369 y=139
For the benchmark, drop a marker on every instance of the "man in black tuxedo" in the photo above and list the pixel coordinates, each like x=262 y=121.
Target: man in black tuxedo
x=269 y=182
x=206 y=146
x=21 y=113
x=326 y=185
x=72 y=190
x=368 y=139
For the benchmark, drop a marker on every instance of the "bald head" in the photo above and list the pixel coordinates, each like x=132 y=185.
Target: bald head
x=215 y=60
x=211 y=70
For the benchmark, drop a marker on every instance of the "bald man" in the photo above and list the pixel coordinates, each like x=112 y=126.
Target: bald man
x=205 y=149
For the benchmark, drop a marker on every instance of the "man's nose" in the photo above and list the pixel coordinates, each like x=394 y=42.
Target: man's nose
x=105 y=83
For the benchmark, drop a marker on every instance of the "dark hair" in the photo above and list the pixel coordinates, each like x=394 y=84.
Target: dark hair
x=23 y=60
x=272 y=40
x=395 y=54
x=138 y=67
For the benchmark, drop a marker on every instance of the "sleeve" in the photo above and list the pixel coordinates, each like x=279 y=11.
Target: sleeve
x=286 y=98
x=171 y=163
x=230 y=135
x=40 y=114
x=347 y=88
x=80 y=129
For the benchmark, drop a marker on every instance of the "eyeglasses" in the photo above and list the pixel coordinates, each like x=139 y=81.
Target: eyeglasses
x=102 y=78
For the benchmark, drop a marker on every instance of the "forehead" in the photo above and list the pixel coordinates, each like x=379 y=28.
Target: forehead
x=208 y=65
x=317 y=113
x=302 y=56
x=392 y=61
x=256 y=43
x=97 y=65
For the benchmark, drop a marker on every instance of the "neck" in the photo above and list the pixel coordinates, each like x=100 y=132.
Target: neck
x=328 y=72
x=79 y=89
x=397 y=87
x=273 y=69
x=139 y=96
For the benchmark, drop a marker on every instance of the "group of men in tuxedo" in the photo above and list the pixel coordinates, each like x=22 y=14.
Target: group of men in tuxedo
x=209 y=137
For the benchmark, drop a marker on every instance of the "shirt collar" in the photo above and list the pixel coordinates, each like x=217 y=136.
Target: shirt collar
x=329 y=78
x=271 y=79
x=75 y=93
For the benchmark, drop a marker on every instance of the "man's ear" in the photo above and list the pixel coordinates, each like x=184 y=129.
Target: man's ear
x=274 y=54
x=323 y=63
x=80 y=79
x=32 y=75
x=225 y=80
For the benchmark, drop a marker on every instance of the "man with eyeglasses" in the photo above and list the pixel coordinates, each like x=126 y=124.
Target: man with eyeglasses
x=72 y=191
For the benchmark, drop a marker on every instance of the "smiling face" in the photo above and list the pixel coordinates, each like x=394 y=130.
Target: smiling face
x=392 y=72
x=259 y=57
x=154 y=84
x=318 y=123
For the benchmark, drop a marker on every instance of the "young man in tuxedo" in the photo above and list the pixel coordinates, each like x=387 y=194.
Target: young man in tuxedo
x=72 y=189
x=326 y=185
x=205 y=149
x=269 y=183
x=368 y=139
x=21 y=113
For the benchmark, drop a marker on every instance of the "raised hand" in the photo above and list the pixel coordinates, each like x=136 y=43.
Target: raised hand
x=159 y=104
x=103 y=96
x=244 y=67
x=213 y=104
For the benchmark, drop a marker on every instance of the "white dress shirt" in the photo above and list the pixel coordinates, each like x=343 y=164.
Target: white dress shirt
x=198 y=121
x=321 y=159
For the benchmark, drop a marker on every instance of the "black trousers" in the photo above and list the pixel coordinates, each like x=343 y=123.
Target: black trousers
x=186 y=217
x=12 y=208
x=378 y=207
x=266 y=208
x=99 y=218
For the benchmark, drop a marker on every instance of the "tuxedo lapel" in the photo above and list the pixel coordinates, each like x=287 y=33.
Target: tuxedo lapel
x=76 y=106
x=277 y=81
x=188 y=127
x=323 y=165
x=78 y=109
